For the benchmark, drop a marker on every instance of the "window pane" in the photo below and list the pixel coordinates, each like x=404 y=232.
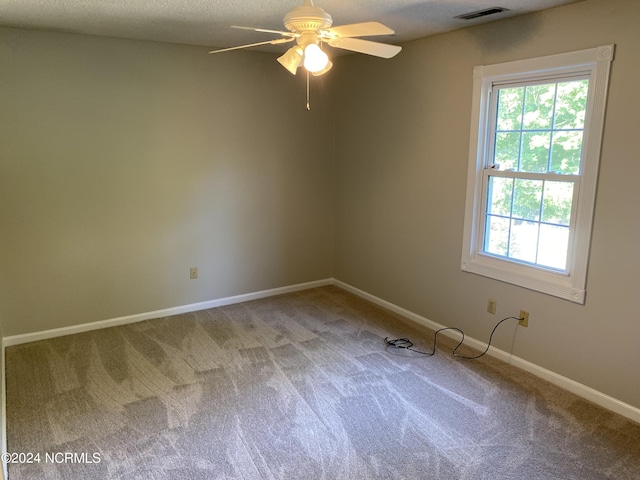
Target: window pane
x=566 y=152
x=500 y=194
x=552 y=250
x=496 y=235
x=556 y=206
x=535 y=152
x=526 y=199
x=507 y=150
x=538 y=109
x=571 y=104
x=523 y=240
x=510 y=108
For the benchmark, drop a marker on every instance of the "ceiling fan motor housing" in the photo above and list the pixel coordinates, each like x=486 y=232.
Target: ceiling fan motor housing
x=307 y=18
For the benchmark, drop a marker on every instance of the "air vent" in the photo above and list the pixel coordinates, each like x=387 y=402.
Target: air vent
x=481 y=13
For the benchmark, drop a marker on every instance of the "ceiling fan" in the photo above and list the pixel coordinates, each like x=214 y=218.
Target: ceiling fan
x=311 y=27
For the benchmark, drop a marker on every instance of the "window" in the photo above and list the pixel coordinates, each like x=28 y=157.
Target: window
x=533 y=165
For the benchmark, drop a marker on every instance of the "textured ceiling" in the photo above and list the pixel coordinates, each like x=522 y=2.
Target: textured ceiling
x=206 y=22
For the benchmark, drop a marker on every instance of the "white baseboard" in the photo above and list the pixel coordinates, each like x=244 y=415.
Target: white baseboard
x=138 y=317
x=588 y=393
x=3 y=413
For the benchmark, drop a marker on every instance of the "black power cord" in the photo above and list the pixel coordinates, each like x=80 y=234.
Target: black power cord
x=408 y=344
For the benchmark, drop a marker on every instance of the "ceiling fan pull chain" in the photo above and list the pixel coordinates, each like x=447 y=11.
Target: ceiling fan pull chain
x=308 y=104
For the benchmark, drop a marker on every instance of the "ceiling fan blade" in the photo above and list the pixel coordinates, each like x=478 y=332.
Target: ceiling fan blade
x=376 y=49
x=268 y=42
x=291 y=59
x=364 y=29
x=265 y=30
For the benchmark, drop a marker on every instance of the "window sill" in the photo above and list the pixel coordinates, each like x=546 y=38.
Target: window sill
x=558 y=284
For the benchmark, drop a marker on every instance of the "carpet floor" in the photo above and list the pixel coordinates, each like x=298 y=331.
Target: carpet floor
x=298 y=386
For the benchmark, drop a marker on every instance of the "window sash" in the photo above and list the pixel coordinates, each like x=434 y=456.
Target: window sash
x=553 y=177
x=491 y=129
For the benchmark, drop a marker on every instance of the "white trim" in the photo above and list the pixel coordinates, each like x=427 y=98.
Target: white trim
x=583 y=391
x=138 y=317
x=593 y=63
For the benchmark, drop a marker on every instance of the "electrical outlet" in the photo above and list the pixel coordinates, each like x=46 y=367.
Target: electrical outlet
x=491 y=306
x=193 y=273
x=524 y=318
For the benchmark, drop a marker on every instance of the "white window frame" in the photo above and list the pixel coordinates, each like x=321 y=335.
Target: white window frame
x=594 y=64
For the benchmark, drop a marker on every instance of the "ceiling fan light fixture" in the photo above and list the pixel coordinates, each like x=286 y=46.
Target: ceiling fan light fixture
x=324 y=70
x=291 y=59
x=315 y=59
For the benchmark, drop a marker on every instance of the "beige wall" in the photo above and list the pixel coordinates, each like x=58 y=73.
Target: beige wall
x=124 y=163
x=401 y=165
